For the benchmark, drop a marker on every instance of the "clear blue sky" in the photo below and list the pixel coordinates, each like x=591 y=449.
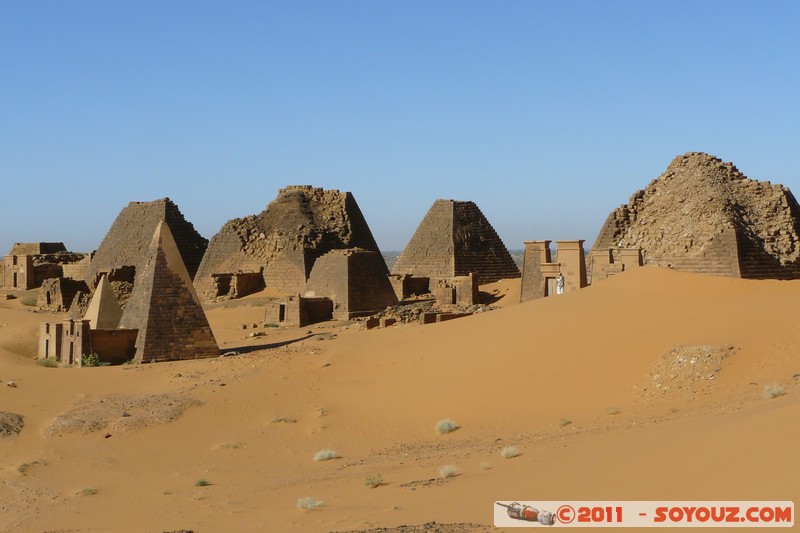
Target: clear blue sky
x=547 y=114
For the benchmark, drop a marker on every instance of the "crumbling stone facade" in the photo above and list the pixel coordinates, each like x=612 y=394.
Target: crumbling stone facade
x=29 y=264
x=703 y=215
x=540 y=272
x=299 y=311
x=455 y=239
x=164 y=307
x=58 y=294
x=406 y=285
x=461 y=291
x=284 y=242
x=355 y=280
x=67 y=342
x=127 y=241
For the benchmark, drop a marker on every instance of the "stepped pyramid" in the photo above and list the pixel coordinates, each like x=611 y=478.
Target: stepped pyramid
x=127 y=240
x=455 y=239
x=104 y=311
x=703 y=215
x=284 y=241
x=165 y=309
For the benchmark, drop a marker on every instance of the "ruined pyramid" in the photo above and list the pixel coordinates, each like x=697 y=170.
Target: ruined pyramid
x=284 y=241
x=703 y=215
x=165 y=309
x=127 y=240
x=104 y=311
x=455 y=239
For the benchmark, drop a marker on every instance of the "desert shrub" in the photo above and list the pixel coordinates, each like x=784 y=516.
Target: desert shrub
x=325 y=455
x=509 y=451
x=613 y=410
x=308 y=503
x=49 y=363
x=282 y=420
x=446 y=426
x=773 y=391
x=90 y=359
x=448 y=471
x=30 y=301
x=202 y=483
x=485 y=466
x=88 y=491
x=373 y=481
x=564 y=422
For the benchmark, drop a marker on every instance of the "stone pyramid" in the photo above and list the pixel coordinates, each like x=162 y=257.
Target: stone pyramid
x=165 y=309
x=456 y=239
x=284 y=241
x=703 y=215
x=128 y=239
x=104 y=311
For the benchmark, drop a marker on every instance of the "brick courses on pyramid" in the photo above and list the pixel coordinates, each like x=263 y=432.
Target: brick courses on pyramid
x=284 y=241
x=456 y=239
x=127 y=240
x=703 y=215
x=165 y=309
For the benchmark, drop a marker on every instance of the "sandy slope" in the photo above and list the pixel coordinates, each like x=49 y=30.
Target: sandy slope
x=507 y=377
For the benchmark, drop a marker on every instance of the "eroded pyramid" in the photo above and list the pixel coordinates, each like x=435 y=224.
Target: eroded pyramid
x=104 y=311
x=703 y=215
x=165 y=308
x=283 y=242
x=128 y=239
x=456 y=239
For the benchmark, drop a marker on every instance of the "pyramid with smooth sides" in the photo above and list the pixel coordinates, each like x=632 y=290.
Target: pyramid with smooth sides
x=104 y=311
x=165 y=309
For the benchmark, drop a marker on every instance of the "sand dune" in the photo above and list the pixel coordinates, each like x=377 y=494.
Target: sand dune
x=569 y=381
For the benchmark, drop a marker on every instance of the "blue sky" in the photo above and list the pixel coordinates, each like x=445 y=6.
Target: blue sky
x=546 y=114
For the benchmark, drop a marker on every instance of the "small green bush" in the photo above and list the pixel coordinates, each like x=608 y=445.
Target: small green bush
x=446 y=426
x=773 y=391
x=202 y=483
x=88 y=491
x=30 y=301
x=373 y=481
x=325 y=455
x=448 y=471
x=308 y=503
x=90 y=359
x=564 y=422
x=49 y=363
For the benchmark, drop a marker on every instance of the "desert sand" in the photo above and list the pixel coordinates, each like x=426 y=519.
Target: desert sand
x=595 y=388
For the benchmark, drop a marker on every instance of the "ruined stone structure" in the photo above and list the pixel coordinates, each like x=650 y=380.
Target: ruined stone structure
x=605 y=263
x=540 y=272
x=126 y=244
x=239 y=284
x=461 y=291
x=703 y=215
x=29 y=264
x=455 y=239
x=164 y=307
x=68 y=341
x=284 y=242
x=406 y=285
x=57 y=294
x=355 y=280
x=299 y=311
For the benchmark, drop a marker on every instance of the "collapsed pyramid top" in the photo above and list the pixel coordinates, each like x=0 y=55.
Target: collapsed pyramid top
x=456 y=239
x=165 y=308
x=127 y=241
x=703 y=215
x=283 y=242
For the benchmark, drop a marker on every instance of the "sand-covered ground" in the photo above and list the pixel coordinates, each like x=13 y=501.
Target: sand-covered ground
x=647 y=386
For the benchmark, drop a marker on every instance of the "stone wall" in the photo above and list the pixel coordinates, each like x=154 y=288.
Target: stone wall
x=37 y=248
x=284 y=241
x=703 y=215
x=127 y=240
x=58 y=294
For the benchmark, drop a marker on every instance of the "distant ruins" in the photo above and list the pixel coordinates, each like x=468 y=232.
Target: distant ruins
x=30 y=264
x=540 y=273
x=454 y=239
x=702 y=215
x=124 y=249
